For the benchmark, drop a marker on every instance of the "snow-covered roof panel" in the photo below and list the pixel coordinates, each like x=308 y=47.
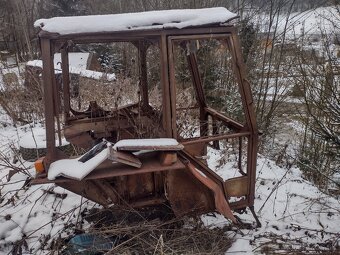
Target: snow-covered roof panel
x=76 y=60
x=136 y=21
x=77 y=65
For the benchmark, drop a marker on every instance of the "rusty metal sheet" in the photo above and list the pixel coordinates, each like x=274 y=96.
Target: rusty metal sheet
x=237 y=187
x=221 y=204
x=108 y=170
x=140 y=186
x=167 y=158
x=196 y=149
x=148 y=165
x=241 y=204
x=148 y=202
x=125 y=158
x=136 y=191
x=186 y=194
x=87 y=189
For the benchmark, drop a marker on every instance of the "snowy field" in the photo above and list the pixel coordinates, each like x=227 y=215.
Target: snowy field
x=293 y=212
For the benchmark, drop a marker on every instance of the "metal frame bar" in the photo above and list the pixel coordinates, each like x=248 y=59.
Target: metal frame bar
x=134 y=35
x=48 y=76
x=208 y=139
x=143 y=76
x=240 y=70
x=165 y=81
x=66 y=81
x=228 y=121
x=246 y=97
x=172 y=89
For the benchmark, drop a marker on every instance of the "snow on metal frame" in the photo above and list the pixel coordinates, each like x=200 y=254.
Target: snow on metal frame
x=74 y=169
x=136 y=21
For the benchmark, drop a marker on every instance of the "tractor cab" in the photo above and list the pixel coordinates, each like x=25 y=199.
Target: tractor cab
x=170 y=94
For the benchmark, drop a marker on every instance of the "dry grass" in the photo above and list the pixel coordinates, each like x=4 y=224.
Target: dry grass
x=22 y=104
x=108 y=95
x=168 y=238
x=279 y=244
x=158 y=233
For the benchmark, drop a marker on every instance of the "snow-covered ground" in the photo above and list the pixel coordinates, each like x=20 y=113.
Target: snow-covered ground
x=29 y=215
x=293 y=212
x=310 y=23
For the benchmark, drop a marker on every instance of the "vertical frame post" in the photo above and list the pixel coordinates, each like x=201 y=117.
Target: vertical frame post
x=172 y=88
x=143 y=75
x=165 y=86
x=66 y=81
x=247 y=102
x=48 y=76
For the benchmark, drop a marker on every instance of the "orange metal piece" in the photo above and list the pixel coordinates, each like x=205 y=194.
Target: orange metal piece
x=221 y=203
x=39 y=165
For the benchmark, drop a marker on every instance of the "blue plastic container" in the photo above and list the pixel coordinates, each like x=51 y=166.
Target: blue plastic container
x=89 y=244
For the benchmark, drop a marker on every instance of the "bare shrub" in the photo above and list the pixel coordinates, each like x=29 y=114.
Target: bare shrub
x=23 y=104
x=148 y=232
x=108 y=95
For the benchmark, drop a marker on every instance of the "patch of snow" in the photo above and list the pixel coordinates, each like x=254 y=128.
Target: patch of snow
x=76 y=59
x=93 y=74
x=146 y=142
x=36 y=216
x=313 y=22
x=289 y=207
x=77 y=65
x=241 y=246
x=226 y=170
x=37 y=139
x=74 y=169
x=136 y=21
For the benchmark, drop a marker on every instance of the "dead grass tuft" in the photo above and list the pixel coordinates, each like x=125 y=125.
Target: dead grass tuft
x=158 y=232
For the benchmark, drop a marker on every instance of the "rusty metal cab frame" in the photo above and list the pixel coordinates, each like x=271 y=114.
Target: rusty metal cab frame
x=155 y=182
